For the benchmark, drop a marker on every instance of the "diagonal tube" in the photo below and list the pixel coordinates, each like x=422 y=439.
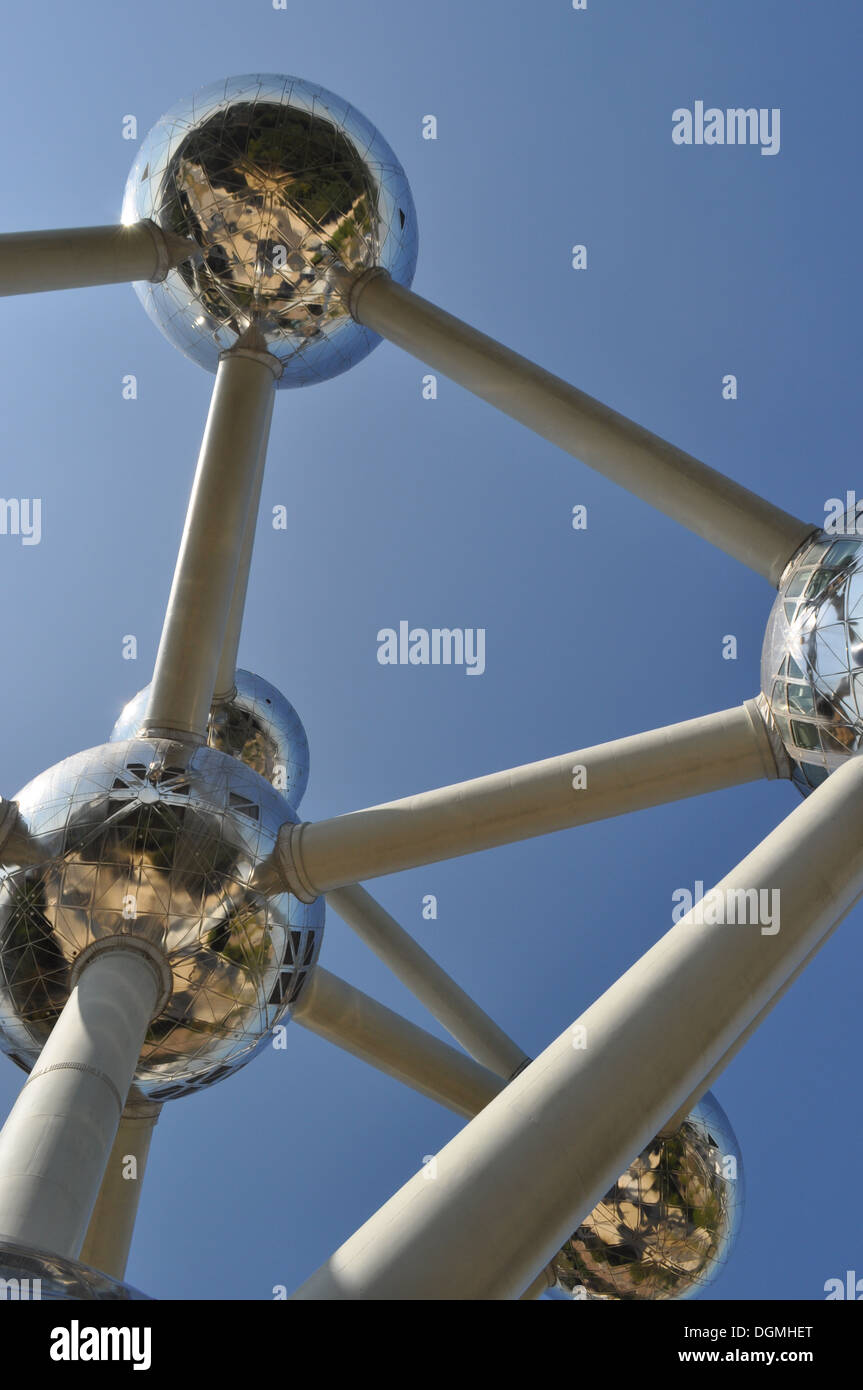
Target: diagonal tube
x=433 y=987
x=360 y=1025
x=518 y=1180
x=739 y=1043
x=719 y=510
x=610 y=779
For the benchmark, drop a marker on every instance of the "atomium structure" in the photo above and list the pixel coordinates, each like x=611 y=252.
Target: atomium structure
x=162 y=901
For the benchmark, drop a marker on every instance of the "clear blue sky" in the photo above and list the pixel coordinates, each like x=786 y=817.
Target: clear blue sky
x=554 y=129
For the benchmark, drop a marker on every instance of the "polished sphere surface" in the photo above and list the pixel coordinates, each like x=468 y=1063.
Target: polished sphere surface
x=812 y=660
x=279 y=182
x=174 y=843
x=668 y=1224
x=257 y=725
x=40 y=1277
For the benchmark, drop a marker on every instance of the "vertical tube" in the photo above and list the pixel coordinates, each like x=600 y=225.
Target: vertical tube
x=55 y=1143
x=196 y=621
x=109 y=1235
x=225 y=684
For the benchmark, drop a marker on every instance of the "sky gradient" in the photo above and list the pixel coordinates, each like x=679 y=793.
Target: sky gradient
x=554 y=129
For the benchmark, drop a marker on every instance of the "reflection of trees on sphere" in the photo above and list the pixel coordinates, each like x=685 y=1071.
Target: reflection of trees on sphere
x=163 y=841
x=668 y=1223
x=279 y=183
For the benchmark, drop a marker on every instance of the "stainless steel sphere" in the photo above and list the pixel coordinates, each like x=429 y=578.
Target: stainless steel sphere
x=278 y=181
x=40 y=1277
x=257 y=725
x=812 y=660
x=174 y=843
x=669 y=1222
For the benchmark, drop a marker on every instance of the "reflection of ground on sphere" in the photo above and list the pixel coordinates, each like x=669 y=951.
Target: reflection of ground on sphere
x=165 y=841
x=279 y=182
x=812 y=662
x=257 y=725
x=668 y=1223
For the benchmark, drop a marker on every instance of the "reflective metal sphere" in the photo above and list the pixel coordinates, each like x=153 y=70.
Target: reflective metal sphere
x=170 y=842
x=668 y=1223
x=258 y=726
x=38 y=1276
x=278 y=181
x=812 y=661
